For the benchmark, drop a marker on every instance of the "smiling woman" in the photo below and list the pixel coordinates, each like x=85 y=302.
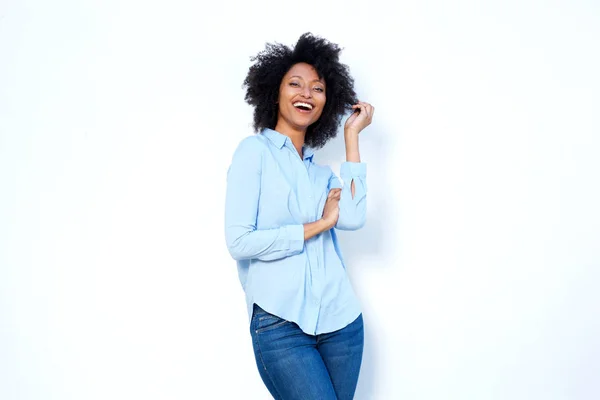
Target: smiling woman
x=301 y=97
x=280 y=213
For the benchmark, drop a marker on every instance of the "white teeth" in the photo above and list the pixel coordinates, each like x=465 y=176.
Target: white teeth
x=301 y=104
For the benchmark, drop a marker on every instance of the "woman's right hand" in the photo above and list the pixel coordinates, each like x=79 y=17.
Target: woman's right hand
x=331 y=211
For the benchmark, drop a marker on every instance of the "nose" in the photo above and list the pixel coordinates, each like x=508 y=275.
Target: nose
x=306 y=91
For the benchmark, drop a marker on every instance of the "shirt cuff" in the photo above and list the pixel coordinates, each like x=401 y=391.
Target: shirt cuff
x=295 y=234
x=350 y=170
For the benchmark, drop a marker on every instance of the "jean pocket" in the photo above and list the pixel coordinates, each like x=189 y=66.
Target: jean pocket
x=266 y=322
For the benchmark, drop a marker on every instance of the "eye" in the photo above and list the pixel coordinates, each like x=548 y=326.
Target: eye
x=295 y=84
x=319 y=89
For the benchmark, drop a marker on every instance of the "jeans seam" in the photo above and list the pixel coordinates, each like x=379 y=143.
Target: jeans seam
x=271 y=327
x=264 y=365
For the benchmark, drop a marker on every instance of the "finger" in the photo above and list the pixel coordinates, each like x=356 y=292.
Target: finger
x=370 y=111
x=360 y=108
x=368 y=107
x=332 y=192
x=365 y=107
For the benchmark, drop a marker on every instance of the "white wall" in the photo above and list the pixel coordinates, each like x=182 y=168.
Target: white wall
x=478 y=268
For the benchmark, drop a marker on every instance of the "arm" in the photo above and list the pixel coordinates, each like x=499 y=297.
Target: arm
x=353 y=199
x=353 y=203
x=352 y=153
x=314 y=228
x=243 y=240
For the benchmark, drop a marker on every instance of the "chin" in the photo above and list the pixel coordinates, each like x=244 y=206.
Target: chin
x=306 y=122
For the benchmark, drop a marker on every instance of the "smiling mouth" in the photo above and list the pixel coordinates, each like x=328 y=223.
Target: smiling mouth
x=304 y=107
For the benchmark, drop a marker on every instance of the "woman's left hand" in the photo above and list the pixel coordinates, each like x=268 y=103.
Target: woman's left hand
x=360 y=118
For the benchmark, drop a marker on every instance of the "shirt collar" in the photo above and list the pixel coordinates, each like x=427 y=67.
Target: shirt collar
x=279 y=140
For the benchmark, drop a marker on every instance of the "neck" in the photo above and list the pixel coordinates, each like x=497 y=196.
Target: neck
x=296 y=134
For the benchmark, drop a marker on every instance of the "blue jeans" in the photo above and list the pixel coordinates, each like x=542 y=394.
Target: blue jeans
x=295 y=365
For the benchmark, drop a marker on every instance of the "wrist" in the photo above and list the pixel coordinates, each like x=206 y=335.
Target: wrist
x=350 y=133
x=352 y=153
x=328 y=223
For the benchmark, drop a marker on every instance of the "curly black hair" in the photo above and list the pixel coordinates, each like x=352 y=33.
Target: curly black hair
x=265 y=75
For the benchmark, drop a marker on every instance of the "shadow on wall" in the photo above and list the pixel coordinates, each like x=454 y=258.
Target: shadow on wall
x=369 y=245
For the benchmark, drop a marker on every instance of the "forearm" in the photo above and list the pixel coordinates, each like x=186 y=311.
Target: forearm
x=353 y=199
x=314 y=228
x=264 y=244
x=352 y=152
x=272 y=244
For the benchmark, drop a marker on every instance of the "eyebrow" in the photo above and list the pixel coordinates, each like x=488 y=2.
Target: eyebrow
x=314 y=80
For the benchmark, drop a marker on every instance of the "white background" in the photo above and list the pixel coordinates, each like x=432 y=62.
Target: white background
x=479 y=266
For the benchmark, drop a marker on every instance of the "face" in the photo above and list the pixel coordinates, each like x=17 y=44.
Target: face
x=301 y=97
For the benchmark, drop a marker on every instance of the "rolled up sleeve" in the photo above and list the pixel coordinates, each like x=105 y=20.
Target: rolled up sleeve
x=353 y=210
x=243 y=240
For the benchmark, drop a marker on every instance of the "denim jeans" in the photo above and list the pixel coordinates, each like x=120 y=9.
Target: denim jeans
x=295 y=365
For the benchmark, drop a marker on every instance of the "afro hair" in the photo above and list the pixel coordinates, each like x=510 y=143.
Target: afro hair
x=270 y=65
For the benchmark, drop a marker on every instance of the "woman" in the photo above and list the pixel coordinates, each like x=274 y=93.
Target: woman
x=281 y=208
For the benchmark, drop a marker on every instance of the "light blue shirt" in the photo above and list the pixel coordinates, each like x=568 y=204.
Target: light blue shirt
x=271 y=193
